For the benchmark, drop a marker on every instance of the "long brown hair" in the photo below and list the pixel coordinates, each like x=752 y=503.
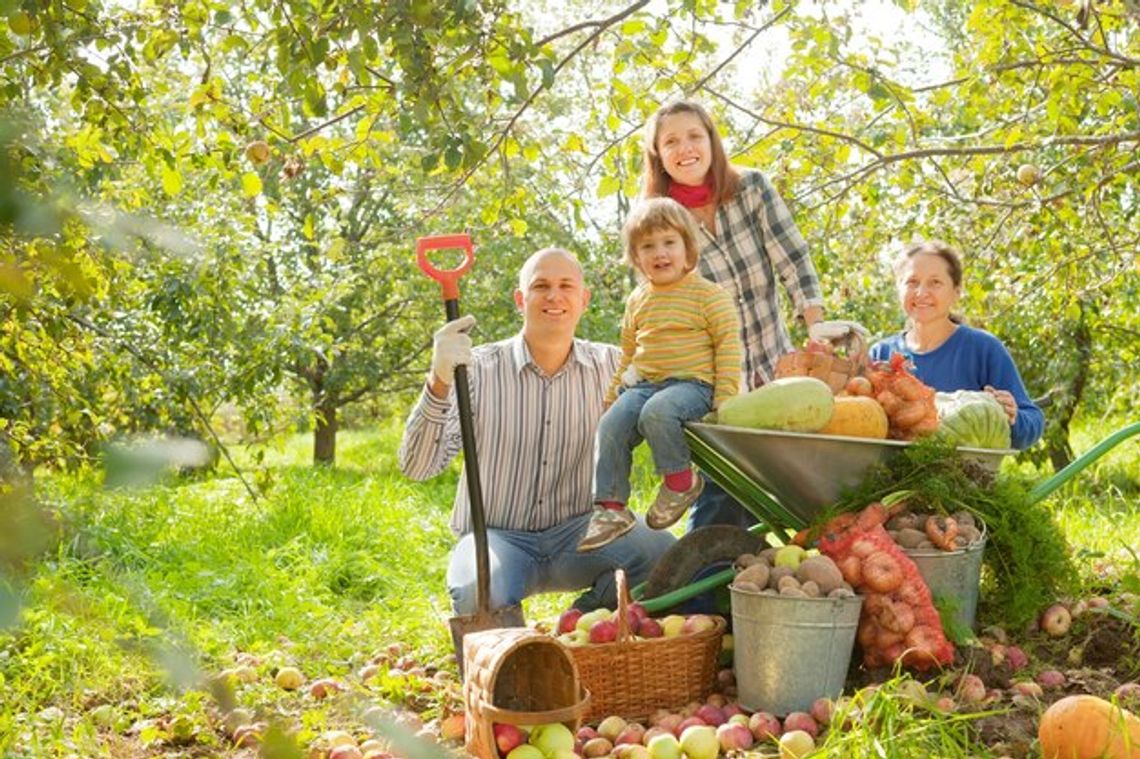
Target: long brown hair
x=946 y=252
x=655 y=180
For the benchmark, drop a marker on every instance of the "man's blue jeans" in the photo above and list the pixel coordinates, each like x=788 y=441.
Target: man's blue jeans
x=648 y=411
x=525 y=563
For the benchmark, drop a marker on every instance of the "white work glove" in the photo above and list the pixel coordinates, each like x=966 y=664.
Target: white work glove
x=451 y=347
x=629 y=377
x=830 y=331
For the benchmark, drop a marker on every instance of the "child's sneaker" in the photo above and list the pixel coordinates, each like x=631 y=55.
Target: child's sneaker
x=670 y=505
x=606 y=526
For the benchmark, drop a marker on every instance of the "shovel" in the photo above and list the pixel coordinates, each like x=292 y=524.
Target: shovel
x=484 y=617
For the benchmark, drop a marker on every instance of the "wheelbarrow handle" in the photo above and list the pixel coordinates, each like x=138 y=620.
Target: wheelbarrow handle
x=447 y=278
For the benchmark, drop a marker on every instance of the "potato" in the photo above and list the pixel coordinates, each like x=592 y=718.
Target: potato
x=787 y=581
x=822 y=571
x=756 y=573
x=910 y=537
x=810 y=589
x=778 y=572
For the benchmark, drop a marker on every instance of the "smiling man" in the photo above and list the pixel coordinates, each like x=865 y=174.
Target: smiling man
x=536 y=401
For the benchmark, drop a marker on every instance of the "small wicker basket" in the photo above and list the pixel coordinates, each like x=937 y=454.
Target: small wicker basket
x=517 y=676
x=634 y=677
x=833 y=369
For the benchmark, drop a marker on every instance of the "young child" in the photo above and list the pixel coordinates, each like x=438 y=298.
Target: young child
x=681 y=335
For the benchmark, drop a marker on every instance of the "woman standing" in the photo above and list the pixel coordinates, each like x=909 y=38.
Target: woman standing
x=947 y=354
x=747 y=238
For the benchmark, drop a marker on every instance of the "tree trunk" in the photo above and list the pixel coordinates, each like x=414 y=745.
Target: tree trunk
x=324 y=436
x=1064 y=407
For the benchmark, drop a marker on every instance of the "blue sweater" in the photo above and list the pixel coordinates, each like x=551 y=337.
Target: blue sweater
x=969 y=360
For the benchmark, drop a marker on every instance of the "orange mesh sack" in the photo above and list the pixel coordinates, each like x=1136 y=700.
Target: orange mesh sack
x=909 y=403
x=898 y=620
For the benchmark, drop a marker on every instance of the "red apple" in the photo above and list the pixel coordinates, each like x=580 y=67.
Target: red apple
x=568 y=619
x=631 y=734
x=345 y=752
x=638 y=612
x=734 y=737
x=1016 y=658
x=1055 y=620
x=604 y=631
x=507 y=737
x=586 y=733
x=1051 y=678
x=687 y=722
x=764 y=726
x=801 y=721
x=821 y=710
x=971 y=689
x=650 y=628
x=696 y=623
x=711 y=715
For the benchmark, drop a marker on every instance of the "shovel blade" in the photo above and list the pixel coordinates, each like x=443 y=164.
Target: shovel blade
x=507 y=616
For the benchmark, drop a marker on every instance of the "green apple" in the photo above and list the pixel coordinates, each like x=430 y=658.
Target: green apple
x=789 y=556
x=700 y=742
x=672 y=624
x=665 y=746
x=552 y=737
x=587 y=620
x=796 y=744
x=525 y=751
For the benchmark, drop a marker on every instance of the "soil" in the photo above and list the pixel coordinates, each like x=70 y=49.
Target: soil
x=1100 y=652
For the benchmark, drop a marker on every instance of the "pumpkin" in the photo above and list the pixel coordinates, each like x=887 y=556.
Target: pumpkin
x=1087 y=727
x=857 y=416
x=973 y=419
x=790 y=404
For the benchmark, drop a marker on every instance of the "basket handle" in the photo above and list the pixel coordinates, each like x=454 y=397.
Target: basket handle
x=624 y=634
x=565 y=714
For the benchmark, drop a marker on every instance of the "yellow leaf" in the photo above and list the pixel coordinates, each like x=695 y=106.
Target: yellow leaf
x=250 y=184
x=518 y=226
x=171 y=181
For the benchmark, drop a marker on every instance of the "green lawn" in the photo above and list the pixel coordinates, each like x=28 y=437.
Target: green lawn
x=145 y=591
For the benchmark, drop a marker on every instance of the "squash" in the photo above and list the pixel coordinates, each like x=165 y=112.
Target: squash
x=790 y=404
x=1087 y=727
x=972 y=418
x=857 y=416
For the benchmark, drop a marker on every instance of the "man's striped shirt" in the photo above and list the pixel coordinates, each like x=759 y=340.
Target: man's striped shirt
x=534 y=434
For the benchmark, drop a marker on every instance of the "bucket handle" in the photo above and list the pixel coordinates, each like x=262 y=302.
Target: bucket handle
x=565 y=714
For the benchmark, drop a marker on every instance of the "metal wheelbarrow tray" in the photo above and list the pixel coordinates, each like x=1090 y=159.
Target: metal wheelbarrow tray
x=787 y=479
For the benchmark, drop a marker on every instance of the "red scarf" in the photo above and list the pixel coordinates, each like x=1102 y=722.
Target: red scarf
x=692 y=196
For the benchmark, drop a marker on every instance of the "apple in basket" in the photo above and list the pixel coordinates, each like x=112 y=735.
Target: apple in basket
x=568 y=620
x=672 y=624
x=587 y=620
x=650 y=628
x=604 y=631
x=696 y=623
x=551 y=738
x=507 y=737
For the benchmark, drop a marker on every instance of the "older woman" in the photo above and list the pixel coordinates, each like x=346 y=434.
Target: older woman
x=748 y=239
x=947 y=354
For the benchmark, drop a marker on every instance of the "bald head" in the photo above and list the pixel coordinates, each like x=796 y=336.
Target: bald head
x=526 y=273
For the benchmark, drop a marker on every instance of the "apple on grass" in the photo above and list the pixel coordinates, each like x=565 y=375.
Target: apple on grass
x=700 y=742
x=764 y=726
x=610 y=727
x=796 y=744
x=664 y=746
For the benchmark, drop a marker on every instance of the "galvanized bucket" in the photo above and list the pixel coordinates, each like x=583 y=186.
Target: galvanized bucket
x=790 y=651
x=953 y=574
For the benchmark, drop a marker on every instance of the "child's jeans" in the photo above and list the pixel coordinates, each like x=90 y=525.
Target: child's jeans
x=652 y=412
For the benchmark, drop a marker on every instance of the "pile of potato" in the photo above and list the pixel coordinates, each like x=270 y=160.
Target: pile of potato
x=792 y=572
x=915 y=530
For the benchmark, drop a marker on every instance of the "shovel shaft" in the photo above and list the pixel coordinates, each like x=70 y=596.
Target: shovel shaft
x=449 y=282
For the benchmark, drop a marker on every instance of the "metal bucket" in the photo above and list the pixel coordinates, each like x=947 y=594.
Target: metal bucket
x=953 y=574
x=790 y=651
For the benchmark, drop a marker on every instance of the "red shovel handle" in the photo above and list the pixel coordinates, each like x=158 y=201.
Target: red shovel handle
x=448 y=278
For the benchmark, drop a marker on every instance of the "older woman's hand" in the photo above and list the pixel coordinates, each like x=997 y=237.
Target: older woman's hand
x=1005 y=398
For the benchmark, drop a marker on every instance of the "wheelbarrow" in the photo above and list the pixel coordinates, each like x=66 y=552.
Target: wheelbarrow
x=786 y=480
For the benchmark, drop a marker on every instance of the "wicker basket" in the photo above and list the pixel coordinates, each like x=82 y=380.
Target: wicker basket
x=835 y=370
x=633 y=677
x=517 y=676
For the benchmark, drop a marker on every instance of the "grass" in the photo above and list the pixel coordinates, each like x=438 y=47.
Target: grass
x=143 y=591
